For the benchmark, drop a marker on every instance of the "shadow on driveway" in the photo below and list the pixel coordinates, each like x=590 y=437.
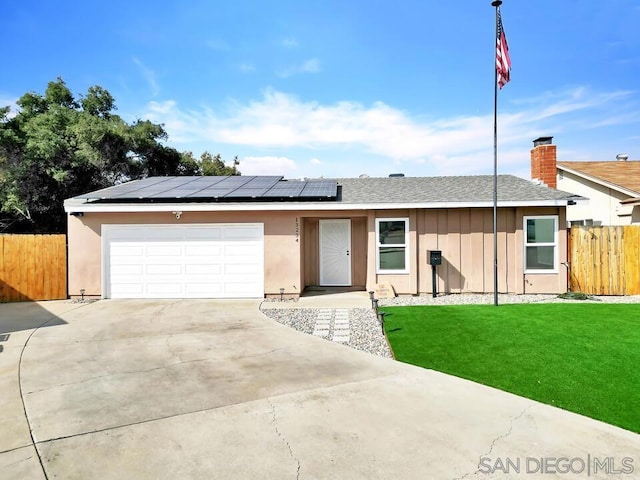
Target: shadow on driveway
x=19 y=316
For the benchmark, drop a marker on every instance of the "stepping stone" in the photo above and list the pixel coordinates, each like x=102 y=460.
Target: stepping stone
x=341 y=338
x=321 y=333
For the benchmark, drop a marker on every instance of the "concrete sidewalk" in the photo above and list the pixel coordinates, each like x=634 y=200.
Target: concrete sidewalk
x=214 y=389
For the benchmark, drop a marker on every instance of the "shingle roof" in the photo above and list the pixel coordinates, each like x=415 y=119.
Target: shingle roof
x=379 y=193
x=623 y=174
x=477 y=188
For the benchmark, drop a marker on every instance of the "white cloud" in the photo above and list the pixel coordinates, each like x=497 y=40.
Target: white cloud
x=11 y=103
x=149 y=76
x=282 y=122
x=267 y=165
x=308 y=66
x=315 y=161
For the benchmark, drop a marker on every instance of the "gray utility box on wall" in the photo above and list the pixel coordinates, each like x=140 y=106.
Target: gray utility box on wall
x=435 y=257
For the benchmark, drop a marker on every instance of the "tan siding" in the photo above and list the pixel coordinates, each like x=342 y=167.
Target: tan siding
x=311 y=252
x=487 y=243
x=476 y=265
x=465 y=237
x=359 y=251
x=455 y=278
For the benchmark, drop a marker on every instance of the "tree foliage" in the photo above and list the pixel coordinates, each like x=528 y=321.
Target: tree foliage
x=58 y=146
x=210 y=165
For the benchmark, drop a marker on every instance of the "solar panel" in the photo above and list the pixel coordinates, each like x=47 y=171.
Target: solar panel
x=322 y=188
x=285 y=189
x=254 y=188
x=232 y=188
x=123 y=189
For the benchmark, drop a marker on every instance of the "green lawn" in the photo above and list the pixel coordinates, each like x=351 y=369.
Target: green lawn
x=580 y=357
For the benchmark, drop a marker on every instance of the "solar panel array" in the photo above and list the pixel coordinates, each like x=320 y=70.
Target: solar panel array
x=230 y=188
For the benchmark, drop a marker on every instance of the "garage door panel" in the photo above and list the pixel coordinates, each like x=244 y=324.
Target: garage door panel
x=201 y=249
x=202 y=269
x=242 y=233
x=186 y=261
x=207 y=233
x=236 y=290
x=240 y=269
x=165 y=269
x=126 y=250
x=164 y=234
x=164 y=289
x=123 y=288
x=203 y=289
x=164 y=251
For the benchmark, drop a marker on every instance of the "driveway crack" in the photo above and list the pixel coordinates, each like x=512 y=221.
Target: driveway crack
x=274 y=422
x=133 y=372
x=495 y=441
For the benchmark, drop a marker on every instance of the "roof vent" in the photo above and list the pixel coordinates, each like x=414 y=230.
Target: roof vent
x=363 y=175
x=542 y=141
x=393 y=175
x=622 y=157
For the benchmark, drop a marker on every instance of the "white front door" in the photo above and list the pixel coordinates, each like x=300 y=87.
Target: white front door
x=335 y=252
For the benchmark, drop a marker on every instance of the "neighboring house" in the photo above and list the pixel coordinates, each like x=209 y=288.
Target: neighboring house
x=611 y=188
x=229 y=237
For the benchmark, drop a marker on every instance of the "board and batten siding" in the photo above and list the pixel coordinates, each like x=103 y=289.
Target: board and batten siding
x=465 y=237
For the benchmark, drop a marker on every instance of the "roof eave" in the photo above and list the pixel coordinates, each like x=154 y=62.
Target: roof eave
x=72 y=207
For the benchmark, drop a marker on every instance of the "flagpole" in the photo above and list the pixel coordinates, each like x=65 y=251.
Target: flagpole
x=496 y=4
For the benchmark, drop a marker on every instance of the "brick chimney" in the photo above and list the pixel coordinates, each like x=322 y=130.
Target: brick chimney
x=543 y=161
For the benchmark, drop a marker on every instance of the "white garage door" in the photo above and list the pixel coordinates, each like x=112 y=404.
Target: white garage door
x=183 y=261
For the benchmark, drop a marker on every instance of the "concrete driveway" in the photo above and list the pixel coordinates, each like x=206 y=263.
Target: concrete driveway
x=204 y=389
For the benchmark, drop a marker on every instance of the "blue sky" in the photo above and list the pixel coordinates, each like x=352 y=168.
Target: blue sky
x=333 y=88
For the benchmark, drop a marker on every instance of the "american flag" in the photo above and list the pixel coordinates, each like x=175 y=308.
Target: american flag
x=503 y=61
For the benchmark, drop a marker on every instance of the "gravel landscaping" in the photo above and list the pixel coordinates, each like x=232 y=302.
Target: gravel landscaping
x=366 y=334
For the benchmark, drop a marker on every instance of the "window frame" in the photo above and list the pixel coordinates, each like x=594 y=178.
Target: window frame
x=554 y=244
x=378 y=245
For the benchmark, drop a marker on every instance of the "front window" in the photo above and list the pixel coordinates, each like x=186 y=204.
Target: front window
x=541 y=244
x=392 y=249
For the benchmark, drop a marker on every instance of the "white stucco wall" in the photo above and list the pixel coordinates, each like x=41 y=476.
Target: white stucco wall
x=603 y=204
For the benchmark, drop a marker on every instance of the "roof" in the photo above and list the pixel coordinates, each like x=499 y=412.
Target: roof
x=465 y=189
x=353 y=193
x=620 y=175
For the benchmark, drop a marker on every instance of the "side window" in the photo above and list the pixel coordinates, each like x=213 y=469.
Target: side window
x=541 y=244
x=392 y=249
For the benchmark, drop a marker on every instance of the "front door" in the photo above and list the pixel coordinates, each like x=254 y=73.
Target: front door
x=335 y=252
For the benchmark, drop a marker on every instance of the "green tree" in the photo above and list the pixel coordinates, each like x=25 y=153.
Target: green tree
x=212 y=165
x=57 y=146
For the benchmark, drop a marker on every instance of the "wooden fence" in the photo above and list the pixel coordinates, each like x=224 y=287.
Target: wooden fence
x=605 y=260
x=33 y=267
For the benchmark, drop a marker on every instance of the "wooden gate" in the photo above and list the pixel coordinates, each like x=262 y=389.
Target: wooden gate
x=605 y=260
x=33 y=267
